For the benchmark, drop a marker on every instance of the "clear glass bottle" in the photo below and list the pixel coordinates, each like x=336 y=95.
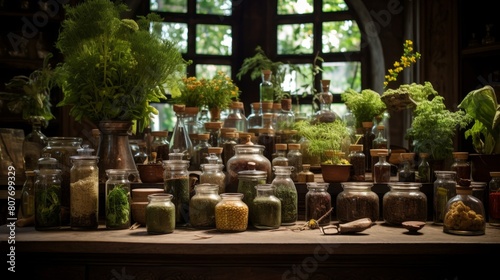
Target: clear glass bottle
x=48 y=199
x=176 y=181
x=357 y=160
x=325 y=113
x=305 y=175
x=266 y=212
x=266 y=87
x=117 y=200
x=159 y=145
x=294 y=157
x=382 y=170
x=212 y=173
x=406 y=172
x=404 y=202
x=231 y=213
x=84 y=206
x=160 y=214
x=357 y=201
x=380 y=142
x=279 y=157
x=286 y=192
x=461 y=166
x=464 y=213
x=213 y=128
x=267 y=137
x=180 y=136
x=367 y=141
x=236 y=118
x=255 y=117
x=191 y=122
x=200 y=152
x=444 y=190
x=34 y=143
x=217 y=151
x=228 y=151
x=28 y=195
x=424 y=169
x=247 y=180
x=202 y=205
x=285 y=118
x=318 y=202
x=494 y=199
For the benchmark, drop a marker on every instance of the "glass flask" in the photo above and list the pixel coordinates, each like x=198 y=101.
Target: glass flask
x=266 y=87
x=117 y=200
x=357 y=160
x=424 y=169
x=357 y=201
x=212 y=173
x=404 y=202
x=34 y=143
x=318 y=202
x=48 y=199
x=160 y=214
x=191 y=122
x=380 y=142
x=84 y=189
x=464 y=213
x=461 y=166
x=255 y=117
x=286 y=192
x=444 y=190
x=231 y=213
x=266 y=211
x=406 y=172
x=247 y=180
x=213 y=129
x=180 y=136
x=202 y=205
x=382 y=170
x=294 y=157
x=176 y=182
x=28 y=195
x=494 y=199
x=285 y=119
x=244 y=154
x=325 y=113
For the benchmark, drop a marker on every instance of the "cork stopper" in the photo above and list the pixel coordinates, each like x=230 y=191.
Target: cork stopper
x=281 y=147
x=380 y=127
x=294 y=146
x=423 y=155
x=161 y=133
x=191 y=110
x=325 y=85
x=367 y=124
x=203 y=136
x=286 y=104
x=267 y=106
x=376 y=152
x=276 y=106
x=267 y=73
x=495 y=173
x=179 y=108
x=213 y=125
x=356 y=147
x=227 y=129
x=215 y=150
x=256 y=105
x=231 y=134
x=96 y=132
x=236 y=105
x=460 y=155
x=407 y=156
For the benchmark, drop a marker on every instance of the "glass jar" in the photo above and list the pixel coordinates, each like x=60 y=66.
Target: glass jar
x=118 y=199
x=464 y=214
x=239 y=162
x=160 y=145
x=266 y=88
x=357 y=160
x=236 y=118
x=357 y=201
x=406 y=172
x=494 y=199
x=34 y=143
x=318 y=202
x=180 y=140
x=404 y=202
x=176 y=182
x=211 y=173
x=424 y=169
x=28 y=195
x=382 y=170
x=228 y=144
x=285 y=118
x=255 y=117
x=160 y=214
x=84 y=205
x=367 y=141
x=286 y=192
x=48 y=199
x=231 y=213
x=200 y=152
x=461 y=166
x=306 y=175
x=325 y=114
x=202 y=205
x=380 y=142
x=267 y=139
x=266 y=211
x=213 y=129
x=444 y=190
x=294 y=157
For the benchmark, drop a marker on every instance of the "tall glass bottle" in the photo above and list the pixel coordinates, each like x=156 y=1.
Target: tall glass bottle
x=266 y=87
x=461 y=166
x=200 y=152
x=368 y=138
x=494 y=199
x=285 y=119
x=382 y=170
x=213 y=128
x=180 y=137
x=34 y=143
x=255 y=117
x=424 y=169
x=286 y=192
x=117 y=201
x=325 y=114
x=159 y=145
x=380 y=142
x=294 y=157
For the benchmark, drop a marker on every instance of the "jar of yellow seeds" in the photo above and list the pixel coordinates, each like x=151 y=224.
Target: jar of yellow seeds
x=231 y=213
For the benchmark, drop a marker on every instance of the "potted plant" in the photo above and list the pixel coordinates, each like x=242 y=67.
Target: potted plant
x=113 y=69
x=364 y=105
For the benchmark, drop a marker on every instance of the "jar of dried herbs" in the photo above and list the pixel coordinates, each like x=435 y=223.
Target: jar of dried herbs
x=231 y=213
x=243 y=155
x=404 y=202
x=202 y=205
x=286 y=192
x=247 y=180
x=211 y=173
x=444 y=190
x=357 y=201
x=117 y=202
x=318 y=202
x=266 y=212
x=294 y=159
x=357 y=159
x=48 y=199
x=160 y=214
x=176 y=182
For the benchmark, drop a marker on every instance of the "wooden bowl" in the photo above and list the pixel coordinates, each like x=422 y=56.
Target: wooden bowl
x=141 y=194
x=139 y=212
x=335 y=173
x=150 y=173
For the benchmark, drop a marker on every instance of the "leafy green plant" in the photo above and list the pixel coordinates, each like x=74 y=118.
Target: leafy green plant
x=117 y=207
x=113 y=67
x=364 y=105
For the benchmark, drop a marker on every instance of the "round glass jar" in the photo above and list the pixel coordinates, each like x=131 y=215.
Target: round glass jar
x=176 y=182
x=318 y=202
x=239 y=162
x=202 y=205
x=286 y=192
x=266 y=210
x=464 y=214
x=231 y=213
x=211 y=173
x=247 y=180
x=404 y=202
x=48 y=199
x=160 y=214
x=357 y=201
x=118 y=199
x=444 y=190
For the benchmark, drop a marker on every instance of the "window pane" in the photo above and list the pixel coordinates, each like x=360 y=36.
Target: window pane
x=334 y=6
x=341 y=36
x=342 y=75
x=214 y=7
x=298 y=79
x=213 y=39
x=165 y=120
x=172 y=6
x=295 y=38
x=208 y=71
x=173 y=31
x=290 y=7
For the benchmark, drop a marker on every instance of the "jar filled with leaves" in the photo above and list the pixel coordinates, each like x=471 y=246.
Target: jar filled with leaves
x=286 y=192
x=266 y=212
x=357 y=201
x=117 y=199
x=160 y=214
x=318 y=203
x=48 y=199
x=202 y=206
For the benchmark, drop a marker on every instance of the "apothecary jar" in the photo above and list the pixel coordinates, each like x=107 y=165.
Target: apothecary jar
x=243 y=155
x=404 y=202
x=117 y=201
x=357 y=201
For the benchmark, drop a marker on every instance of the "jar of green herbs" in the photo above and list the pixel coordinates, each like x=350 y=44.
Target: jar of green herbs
x=117 y=200
x=286 y=192
x=266 y=208
x=176 y=182
x=202 y=205
x=160 y=214
x=48 y=199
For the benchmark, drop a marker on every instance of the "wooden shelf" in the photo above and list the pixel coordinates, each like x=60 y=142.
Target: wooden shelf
x=485 y=50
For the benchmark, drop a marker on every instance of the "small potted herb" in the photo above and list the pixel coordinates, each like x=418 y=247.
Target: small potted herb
x=364 y=105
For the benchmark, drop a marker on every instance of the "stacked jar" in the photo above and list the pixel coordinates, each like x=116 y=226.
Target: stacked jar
x=247 y=180
x=239 y=162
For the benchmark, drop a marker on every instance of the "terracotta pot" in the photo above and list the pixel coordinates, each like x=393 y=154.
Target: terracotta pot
x=335 y=173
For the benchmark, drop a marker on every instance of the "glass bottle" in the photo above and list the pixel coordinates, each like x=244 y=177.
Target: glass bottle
x=286 y=192
x=380 y=142
x=141 y=156
x=117 y=201
x=285 y=118
x=325 y=113
x=202 y=205
x=34 y=143
x=213 y=129
x=318 y=202
x=190 y=119
x=180 y=136
x=305 y=175
x=444 y=190
x=382 y=170
x=200 y=152
x=255 y=117
x=404 y=202
x=406 y=172
x=236 y=118
x=266 y=212
x=357 y=201
x=228 y=151
x=279 y=157
x=464 y=213
x=247 y=180
x=494 y=199
x=367 y=142
x=176 y=182
x=160 y=214
x=244 y=154
x=461 y=166
x=212 y=173
x=84 y=190
x=357 y=160
x=159 y=145
x=266 y=87
x=203 y=117
x=294 y=157
x=28 y=195
x=313 y=160
x=231 y=213
x=217 y=151
x=424 y=169
x=48 y=199
x=267 y=137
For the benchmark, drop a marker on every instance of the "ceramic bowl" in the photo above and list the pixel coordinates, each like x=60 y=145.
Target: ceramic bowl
x=150 y=173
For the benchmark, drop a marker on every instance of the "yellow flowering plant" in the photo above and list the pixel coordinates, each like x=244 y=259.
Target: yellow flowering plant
x=409 y=56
